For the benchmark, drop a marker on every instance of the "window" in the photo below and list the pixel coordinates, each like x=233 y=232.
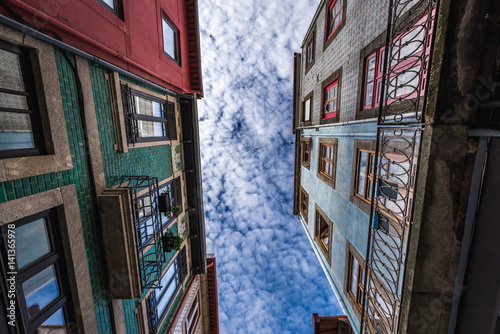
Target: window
x=306 y=152
x=144 y=212
x=307 y=109
x=330 y=99
x=310 y=50
x=390 y=187
x=193 y=316
x=335 y=19
x=112 y=5
x=404 y=66
x=41 y=292
x=356 y=277
x=170 y=39
x=327 y=160
x=148 y=118
x=20 y=131
x=323 y=233
x=304 y=203
x=159 y=301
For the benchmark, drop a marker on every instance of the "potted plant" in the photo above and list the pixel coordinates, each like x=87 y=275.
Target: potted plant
x=164 y=202
x=171 y=242
x=173 y=212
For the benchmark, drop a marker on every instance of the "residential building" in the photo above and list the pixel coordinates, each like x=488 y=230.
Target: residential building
x=395 y=114
x=101 y=206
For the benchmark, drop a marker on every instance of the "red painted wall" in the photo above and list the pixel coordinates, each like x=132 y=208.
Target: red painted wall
x=136 y=38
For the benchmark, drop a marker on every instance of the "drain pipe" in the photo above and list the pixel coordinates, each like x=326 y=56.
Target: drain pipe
x=66 y=47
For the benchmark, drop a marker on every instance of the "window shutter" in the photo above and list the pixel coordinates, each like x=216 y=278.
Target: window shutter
x=182 y=264
x=176 y=191
x=172 y=132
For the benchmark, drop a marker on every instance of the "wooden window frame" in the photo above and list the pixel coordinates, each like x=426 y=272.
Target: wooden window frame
x=31 y=97
x=56 y=258
x=320 y=217
x=354 y=301
x=323 y=144
x=305 y=152
x=176 y=57
x=359 y=281
x=304 y=204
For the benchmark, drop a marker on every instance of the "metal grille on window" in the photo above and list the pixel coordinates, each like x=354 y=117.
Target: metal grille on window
x=404 y=80
x=148 y=227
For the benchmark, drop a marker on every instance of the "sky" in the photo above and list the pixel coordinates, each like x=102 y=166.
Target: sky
x=269 y=279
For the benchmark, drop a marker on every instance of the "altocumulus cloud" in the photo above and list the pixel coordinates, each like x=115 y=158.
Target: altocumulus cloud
x=269 y=279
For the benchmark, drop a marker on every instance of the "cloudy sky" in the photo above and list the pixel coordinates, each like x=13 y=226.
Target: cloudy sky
x=269 y=279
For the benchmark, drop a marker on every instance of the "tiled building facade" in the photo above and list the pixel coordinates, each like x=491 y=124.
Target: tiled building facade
x=386 y=188
x=103 y=174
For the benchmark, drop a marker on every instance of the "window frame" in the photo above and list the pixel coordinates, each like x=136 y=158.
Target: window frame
x=304 y=204
x=359 y=281
x=32 y=102
x=190 y=326
x=330 y=35
x=325 y=249
x=333 y=79
x=305 y=152
x=154 y=316
x=165 y=20
x=56 y=258
x=354 y=301
x=132 y=118
x=117 y=10
x=310 y=51
x=377 y=49
x=325 y=177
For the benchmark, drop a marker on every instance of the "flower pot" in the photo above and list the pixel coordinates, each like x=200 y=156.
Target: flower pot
x=167 y=242
x=163 y=203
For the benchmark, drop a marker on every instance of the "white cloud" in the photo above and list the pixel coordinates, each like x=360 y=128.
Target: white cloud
x=269 y=279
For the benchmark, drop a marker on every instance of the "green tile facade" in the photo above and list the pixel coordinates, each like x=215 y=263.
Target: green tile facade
x=155 y=161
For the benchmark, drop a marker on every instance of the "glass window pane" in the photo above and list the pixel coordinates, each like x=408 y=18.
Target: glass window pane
x=54 y=324
x=40 y=290
x=110 y=3
x=362 y=171
x=369 y=94
x=147 y=107
x=32 y=242
x=371 y=68
x=10 y=71
x=409 y=81
x=15 y=131
x=150 y=129
x=13 y=101
x=354 y=275
x=307 y=112
x=168 y=39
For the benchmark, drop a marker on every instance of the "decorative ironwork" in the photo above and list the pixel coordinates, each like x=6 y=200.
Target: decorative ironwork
x=396 y=166
x=152 y=312
x=144 y=195
x=129 y=108
x=406 y=62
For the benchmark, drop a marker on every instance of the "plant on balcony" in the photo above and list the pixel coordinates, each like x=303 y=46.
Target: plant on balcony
x=173 y=212
x=171 y=242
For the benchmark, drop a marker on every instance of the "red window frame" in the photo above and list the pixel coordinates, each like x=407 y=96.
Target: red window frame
x=330 y=86
x=399 y=65
x=329 y=21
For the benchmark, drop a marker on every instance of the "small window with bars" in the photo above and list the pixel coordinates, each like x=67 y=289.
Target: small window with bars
x=148 y=118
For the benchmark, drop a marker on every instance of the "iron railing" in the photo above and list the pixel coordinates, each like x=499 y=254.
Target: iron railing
x=148 y=227
x=401 y=122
